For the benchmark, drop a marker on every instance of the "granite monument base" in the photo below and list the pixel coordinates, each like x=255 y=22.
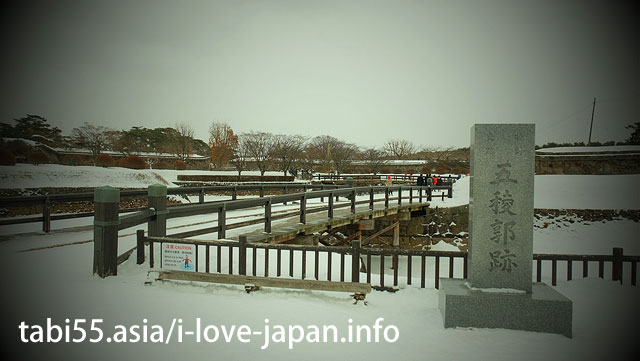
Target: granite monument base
x=542 y=310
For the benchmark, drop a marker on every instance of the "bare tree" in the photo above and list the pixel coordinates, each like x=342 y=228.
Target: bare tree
x=319 y=150
x=332 y=152
x=182 y=141
x=259 y=146
x=399 y=148
x=95 y=138
x=287 y=150
x=240 y=156
x=374 y=159
x=306 y=163
x=222 y=141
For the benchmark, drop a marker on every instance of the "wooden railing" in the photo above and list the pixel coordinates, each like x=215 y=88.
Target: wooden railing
x=46 y=201
x=107 y=221
x=360 y=264
x=617 y=259
x=353 y=267
x=394 y=177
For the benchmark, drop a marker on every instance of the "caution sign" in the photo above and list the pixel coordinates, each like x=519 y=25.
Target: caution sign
x=177 y=256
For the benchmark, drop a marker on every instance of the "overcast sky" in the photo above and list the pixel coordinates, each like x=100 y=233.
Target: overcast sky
x=362 y=71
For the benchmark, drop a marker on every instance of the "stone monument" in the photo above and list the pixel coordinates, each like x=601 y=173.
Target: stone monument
x=499 y=292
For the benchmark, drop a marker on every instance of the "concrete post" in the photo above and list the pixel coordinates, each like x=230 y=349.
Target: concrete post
x=106 y=202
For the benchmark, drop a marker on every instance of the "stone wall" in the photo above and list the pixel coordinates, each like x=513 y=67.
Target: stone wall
x=451 y=225
x=587 y=164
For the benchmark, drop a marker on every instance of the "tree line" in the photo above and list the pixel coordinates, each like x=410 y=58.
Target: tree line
x=290 y=154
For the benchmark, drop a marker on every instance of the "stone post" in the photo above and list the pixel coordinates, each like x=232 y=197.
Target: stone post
x=500 y=292
x=501 y=206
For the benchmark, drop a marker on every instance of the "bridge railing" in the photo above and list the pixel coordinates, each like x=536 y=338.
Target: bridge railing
x=394 y=177
x=46 y=202
x=108 y=223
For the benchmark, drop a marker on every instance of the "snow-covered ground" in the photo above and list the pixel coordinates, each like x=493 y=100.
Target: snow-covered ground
x=569 y=192
x=57 y=283
x=55 y=175
x=551 y=191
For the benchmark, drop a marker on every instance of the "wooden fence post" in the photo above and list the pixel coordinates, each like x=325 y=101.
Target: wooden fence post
x=450 y=192
x=353 y=201
x=201 y=196
x=303 y=208
x=284 y=191
x=242 y=255
x=234 y=193
x=46 y=215
x=429 y=191
x=106 y=202
x=399 y=195
x=371 y=197
x=267 y=216
x=140 y=246
x=355 y=260
x=157 y=199
x=386 y=197
x=616 y=273
x=330 y=206
x=222 y=219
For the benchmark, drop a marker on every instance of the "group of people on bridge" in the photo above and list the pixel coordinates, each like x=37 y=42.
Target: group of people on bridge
x=421 y=180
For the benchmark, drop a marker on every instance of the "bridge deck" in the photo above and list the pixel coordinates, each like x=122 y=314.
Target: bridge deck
x=319 y=222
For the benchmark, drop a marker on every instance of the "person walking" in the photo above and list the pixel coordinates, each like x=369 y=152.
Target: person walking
x=420 y=181
x=389 y=182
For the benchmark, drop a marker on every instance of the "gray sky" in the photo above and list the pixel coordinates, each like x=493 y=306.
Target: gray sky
x=362 y=71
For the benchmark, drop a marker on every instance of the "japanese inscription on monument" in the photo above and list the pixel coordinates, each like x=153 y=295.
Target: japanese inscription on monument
x=501 y=205
x=501 y=241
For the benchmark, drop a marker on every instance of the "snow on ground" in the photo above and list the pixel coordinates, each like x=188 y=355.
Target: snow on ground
x=568 y=192
x=551 y=191
x=56 y=175
x=587 y=191
x=58 y=283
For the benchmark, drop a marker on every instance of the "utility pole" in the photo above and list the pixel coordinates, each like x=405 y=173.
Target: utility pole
x=593 y=110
